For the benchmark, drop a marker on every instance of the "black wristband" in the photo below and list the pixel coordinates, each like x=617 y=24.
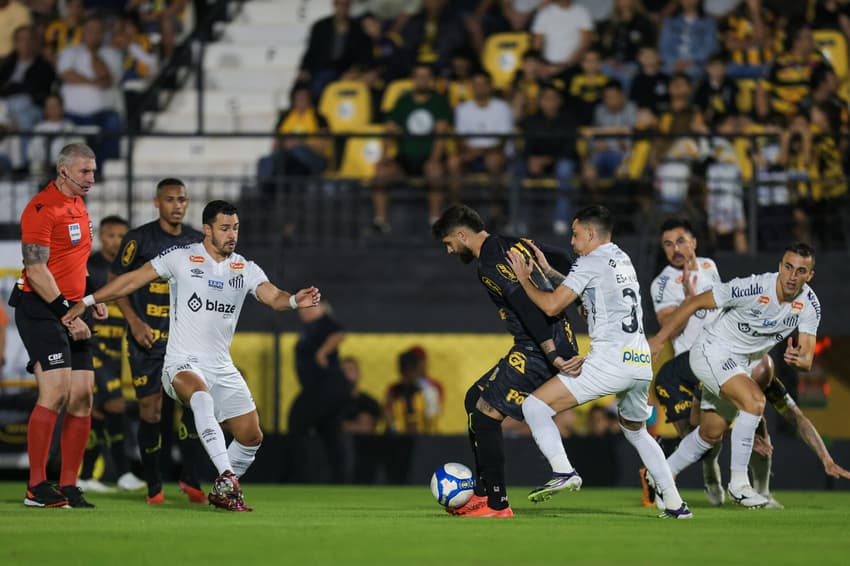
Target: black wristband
x=89 y=286
x=551 y=356
x=59 y=306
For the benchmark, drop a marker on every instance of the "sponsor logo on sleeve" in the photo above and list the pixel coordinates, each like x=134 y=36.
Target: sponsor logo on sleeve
x=751 y=291
x=662 y=284
x=637 y=357
x=196 y=258
x=815 y=304
x=506 y=272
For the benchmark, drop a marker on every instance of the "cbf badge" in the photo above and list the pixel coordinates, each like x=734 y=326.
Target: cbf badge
x=75 y=232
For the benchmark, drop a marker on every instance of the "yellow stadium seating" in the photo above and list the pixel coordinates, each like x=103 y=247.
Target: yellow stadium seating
x=346 y=105
x=393 y=92
x=834 y=47
x=502 y=56
x=361 y=154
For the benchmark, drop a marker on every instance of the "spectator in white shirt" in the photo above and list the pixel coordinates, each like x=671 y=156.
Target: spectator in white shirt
x=484 y=114
x=562 y=31
x=90 y=73
x=41 y=149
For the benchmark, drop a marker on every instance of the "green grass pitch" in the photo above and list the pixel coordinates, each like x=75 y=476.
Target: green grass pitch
x=301 y=525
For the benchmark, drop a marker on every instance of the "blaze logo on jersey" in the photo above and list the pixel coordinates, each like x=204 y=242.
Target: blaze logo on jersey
x=224 y=308
x=129 y=252
x=195 y=302
x=637 y=357
x=506 y=272
x=764 y=299
x=196 y=258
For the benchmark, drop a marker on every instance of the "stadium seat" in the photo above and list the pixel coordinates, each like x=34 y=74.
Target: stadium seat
x=393 y=92
x=502 y=56
x=346 y=105
x=361 y=154
x=834 y=47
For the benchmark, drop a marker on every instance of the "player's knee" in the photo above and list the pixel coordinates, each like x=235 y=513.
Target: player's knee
x=711 y=435
x=80 y=402
x=754 y=402
x=483 y=422
x=251 y=438
x=633 y=426
x=55 y=397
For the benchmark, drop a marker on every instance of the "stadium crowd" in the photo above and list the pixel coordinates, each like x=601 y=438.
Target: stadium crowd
x=678 y=104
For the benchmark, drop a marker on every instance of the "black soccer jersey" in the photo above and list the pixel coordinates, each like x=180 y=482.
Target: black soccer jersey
x=505 y=291
x=106 y=334
x=141 y=245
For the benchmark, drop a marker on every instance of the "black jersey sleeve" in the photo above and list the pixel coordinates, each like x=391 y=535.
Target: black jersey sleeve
x=558 y=258
x=531 y=317
x=778 y=396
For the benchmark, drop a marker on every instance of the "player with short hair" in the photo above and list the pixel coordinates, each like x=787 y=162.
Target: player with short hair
x=756 y=312
x=208 y=283
x=55 y=243
x=676 y=387
x=619 y=361
x=543 y=345
x=108 y=412
x=147 y=313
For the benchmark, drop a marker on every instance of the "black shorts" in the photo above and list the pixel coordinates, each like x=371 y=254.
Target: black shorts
x=411 y=165
x=677 y=388
x=46 y=339
x=107 y=378
x=146 y=369
x=514 y=378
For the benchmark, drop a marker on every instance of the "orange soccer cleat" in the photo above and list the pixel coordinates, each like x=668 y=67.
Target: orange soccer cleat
x=474 y=503
x=157 y=499
x=487 y=511
x=195 y=494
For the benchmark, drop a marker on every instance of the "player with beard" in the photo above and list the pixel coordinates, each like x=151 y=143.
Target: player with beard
x=147 y=312
x=198 y=370
x=543 y=346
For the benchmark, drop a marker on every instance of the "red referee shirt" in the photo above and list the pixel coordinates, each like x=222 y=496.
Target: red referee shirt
x=62 y=224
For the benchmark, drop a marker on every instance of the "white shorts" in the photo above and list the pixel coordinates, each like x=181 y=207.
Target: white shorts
x=595 y=382
x=230 y=393
x=723 y=407
x=714 y=364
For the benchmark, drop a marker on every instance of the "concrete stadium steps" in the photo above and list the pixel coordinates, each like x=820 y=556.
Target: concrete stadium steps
x=283 y=12
x=265 y=34
x=273 y=56
x=250 y=79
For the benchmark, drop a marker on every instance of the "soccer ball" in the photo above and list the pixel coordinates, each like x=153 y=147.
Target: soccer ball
x=452 y=484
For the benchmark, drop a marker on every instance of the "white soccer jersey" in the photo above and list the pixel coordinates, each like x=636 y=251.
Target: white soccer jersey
x=206 y=299
x=753 y=320
x=606 y=281
x=668 y=290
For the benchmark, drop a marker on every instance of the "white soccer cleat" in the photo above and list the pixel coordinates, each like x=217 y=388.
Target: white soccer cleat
x=772 y=503
x=94 y=486
x=714 y=494
x=129 y=482
x=747 y=496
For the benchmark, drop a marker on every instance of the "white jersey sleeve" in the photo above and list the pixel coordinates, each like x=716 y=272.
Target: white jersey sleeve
x=810 y=317
x=581 y=275
x=166 y=263
x=737 y=292
x=663 y=295
x=255 y=276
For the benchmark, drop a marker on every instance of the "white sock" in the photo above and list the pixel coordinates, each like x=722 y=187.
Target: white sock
x=710 y=467
x=742 y=447
x=760 y=465
x=241 y=456
x=209 y=431
x=690 y=450
x=539 y=415
x=652 y=457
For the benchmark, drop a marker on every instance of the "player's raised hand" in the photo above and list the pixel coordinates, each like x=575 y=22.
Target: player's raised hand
x=689 y=282
x=520 y=264
x=836 y=471
x=539 y=256
x=792 y=353
x=309 y=297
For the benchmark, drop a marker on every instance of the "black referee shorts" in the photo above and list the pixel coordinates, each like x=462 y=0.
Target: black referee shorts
x=514 y=378
x=47 y=341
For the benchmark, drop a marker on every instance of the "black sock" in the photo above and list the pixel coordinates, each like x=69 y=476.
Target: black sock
x=92 y=448
x=115 y=442
x=150 y=445
x=469 y=402
x=491 y=458
x=190 y=447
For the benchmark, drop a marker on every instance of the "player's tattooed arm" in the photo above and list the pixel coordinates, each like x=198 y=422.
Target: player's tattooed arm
x=35 y=254
x=810 y=435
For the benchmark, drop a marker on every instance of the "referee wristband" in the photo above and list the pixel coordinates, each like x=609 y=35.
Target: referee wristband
x=59 y=306
x=89 y=301
x=293 y=303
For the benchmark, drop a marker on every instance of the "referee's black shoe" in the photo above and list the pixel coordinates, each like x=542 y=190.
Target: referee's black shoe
x=75 y=497
x=44 y=495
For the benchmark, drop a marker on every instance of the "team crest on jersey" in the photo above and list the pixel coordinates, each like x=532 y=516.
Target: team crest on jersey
x=129 y=253
x=237 y=265
x=796 y=306
x=764 y=299
x=237 y=282
x=506 y=272
x=196 y=258
x=490 y=284
x=75 y=232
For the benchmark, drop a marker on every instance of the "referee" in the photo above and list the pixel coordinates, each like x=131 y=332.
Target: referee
x=56 y=243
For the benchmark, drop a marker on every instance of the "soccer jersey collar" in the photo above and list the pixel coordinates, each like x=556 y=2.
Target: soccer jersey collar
x=58 y=196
